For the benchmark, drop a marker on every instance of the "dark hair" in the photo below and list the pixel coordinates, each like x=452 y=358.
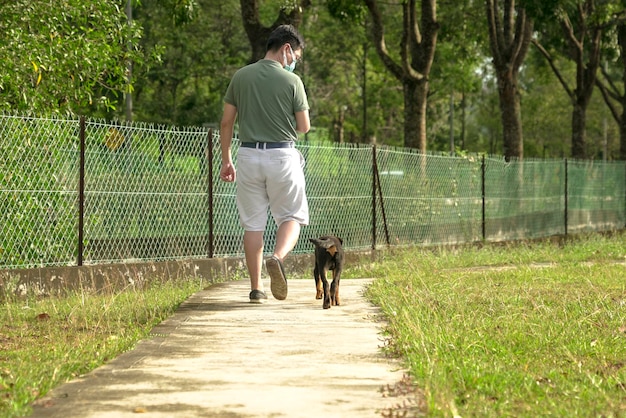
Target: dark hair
x=284 y=34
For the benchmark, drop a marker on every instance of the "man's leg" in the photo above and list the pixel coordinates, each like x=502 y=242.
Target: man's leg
x=286 y=238
x=253 y=249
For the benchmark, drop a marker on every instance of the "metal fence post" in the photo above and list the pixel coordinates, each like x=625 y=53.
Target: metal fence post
x=374 y=169
x=81 y=193
x=378 y=188
x=209 y=156
x=566 y=197
x=483 y=176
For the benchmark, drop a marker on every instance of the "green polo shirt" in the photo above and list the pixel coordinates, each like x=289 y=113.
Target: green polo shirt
x=266 y=97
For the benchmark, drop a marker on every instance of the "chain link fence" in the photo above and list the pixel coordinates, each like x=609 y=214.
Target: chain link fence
x=81 y=191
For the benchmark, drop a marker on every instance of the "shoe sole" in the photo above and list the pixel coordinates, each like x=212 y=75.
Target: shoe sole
x=258 y=301
x=278 y=282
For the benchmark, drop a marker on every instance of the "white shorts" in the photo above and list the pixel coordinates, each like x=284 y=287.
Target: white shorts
x=274 y=179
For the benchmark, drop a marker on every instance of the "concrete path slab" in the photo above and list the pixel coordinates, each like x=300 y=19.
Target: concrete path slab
x=221 y=356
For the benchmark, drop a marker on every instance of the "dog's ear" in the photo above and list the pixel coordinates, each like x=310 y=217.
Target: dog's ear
x=333 y=238
x=317 y=242
x=323 y=242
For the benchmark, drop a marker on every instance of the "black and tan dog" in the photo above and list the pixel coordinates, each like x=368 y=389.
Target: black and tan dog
x=328 y=256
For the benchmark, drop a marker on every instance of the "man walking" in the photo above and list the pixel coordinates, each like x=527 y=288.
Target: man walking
x=271 y=105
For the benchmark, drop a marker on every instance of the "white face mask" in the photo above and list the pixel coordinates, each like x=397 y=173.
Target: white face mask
x=290 y=67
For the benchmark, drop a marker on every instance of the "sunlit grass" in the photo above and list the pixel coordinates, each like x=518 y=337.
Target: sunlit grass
x=542 y=333
x=44 y=342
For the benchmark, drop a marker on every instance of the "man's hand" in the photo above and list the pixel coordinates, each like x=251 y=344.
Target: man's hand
x=227 y=173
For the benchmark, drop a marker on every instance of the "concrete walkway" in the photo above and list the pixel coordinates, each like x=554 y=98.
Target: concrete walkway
x=221 y=356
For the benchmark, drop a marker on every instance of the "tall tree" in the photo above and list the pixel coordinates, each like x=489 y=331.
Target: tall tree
x=258 y=32
x=581 y=42
x=417 y=51
x=510 y=33
x=455 y=80
x=336 y=69
x=614 y=96
x=359 y=96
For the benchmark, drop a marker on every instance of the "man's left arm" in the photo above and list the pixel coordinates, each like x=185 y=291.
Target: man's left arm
x=227 y=127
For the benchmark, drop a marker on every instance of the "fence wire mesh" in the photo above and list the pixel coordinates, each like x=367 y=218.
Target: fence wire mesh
x=429 y=199
x=76 y=191
x=524 y=199
x=596 y=193
x=145 y=192
x=38 y=191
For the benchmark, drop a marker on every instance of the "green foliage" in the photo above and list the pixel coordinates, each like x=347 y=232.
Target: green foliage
x=200 y=54
x=74 y=59
x=461 y=48
x=542 y=10
x=461 y=51
x=339 y=71
x=64 y=59
x=545 y=108
x=346 y=10
x=181 y=11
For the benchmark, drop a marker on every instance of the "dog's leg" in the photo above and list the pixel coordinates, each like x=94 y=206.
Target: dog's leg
x=334 y=287
x=319 y=290
x=326 y=303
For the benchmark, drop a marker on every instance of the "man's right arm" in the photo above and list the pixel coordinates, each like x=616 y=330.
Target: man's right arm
x=303 y=123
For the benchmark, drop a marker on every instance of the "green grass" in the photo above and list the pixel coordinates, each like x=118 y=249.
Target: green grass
x=515 y=330
x=44 y=342
x=541 y=332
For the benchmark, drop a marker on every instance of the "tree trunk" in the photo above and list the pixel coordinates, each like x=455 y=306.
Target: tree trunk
x=417 y=51
x=582 y=46
x=612 y=94
x=621 y=38
x=463 y=119
x=339 y=124
x=257 y=33
x=579 y=124
x=510 y=33
x=415 y=100
x=622 y=131
x=510 y=114
x=585 y=85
